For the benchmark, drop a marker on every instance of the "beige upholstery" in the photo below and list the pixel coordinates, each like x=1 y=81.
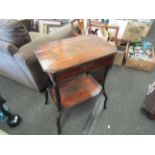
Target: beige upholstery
x=23 y=66
x=36 y=36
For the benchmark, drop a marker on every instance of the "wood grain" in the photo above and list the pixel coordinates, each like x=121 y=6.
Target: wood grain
x=77 y=90
x=60 y=55
x=87 y=67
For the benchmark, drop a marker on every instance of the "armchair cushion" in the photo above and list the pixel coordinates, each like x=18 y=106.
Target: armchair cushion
x=7 y=48
x=14 y=32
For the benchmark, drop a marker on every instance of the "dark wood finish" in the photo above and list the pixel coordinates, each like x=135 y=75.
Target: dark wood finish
x=66 y=58
x=77 y=90
x=80 y=26
x=69 y=53
x=87 y=67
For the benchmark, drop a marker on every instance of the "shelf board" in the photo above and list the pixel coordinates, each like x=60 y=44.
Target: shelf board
x=77 y=90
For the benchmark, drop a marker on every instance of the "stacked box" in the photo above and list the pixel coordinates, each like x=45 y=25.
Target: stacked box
x=146 y=65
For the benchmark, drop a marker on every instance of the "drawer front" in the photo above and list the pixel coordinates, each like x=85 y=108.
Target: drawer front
x=85 y=68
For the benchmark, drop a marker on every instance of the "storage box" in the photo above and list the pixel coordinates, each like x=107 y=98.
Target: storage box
x=135 y=31
x=119 y=57
x=130 y=30
x=139 y=64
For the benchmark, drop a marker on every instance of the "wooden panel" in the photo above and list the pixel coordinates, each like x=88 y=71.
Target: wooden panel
x=77 y=90
x=64 y=54
x=85 y=68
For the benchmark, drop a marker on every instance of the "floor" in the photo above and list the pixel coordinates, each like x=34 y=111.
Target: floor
x=126 y=89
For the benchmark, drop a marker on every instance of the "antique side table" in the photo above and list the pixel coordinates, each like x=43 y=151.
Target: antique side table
x=68 y=63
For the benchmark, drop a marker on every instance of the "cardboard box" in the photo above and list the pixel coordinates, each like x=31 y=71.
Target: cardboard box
x=119 y=57
x=139 y=64
x=130 y=30
x=135 y=31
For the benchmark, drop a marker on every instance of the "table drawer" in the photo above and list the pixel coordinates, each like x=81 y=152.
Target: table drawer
x=99 y=63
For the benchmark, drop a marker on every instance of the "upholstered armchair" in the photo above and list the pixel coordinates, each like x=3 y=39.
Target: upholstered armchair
x=17 y=58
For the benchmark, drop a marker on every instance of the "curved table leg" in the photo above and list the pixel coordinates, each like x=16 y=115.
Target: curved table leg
x=59 y=105
x=49 y=85
x=59 y=123
x=103 y=77
x=46 y=96
x=105 y=101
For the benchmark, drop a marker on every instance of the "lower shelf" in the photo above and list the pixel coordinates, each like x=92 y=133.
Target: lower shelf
x=77 y=90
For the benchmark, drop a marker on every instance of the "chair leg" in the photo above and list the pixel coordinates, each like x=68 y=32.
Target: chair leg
x=59 y=107
x=103 y=78
x=106 y=98
x=59 y=128
x=46 y=97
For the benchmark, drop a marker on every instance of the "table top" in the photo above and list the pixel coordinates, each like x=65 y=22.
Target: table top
x=60 y=55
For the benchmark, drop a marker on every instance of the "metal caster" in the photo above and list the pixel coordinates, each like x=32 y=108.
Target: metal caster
x=14 y=120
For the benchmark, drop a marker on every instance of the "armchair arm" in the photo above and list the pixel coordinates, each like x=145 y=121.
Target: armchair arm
x=29 y=48
x=7 y=48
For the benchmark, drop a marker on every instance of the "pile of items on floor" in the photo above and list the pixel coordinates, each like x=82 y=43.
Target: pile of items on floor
x=133 y=51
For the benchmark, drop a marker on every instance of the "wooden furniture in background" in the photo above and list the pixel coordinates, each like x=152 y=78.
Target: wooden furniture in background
x=95 y=24
x=80 y=26
x=102 y=25
x=69 y=60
